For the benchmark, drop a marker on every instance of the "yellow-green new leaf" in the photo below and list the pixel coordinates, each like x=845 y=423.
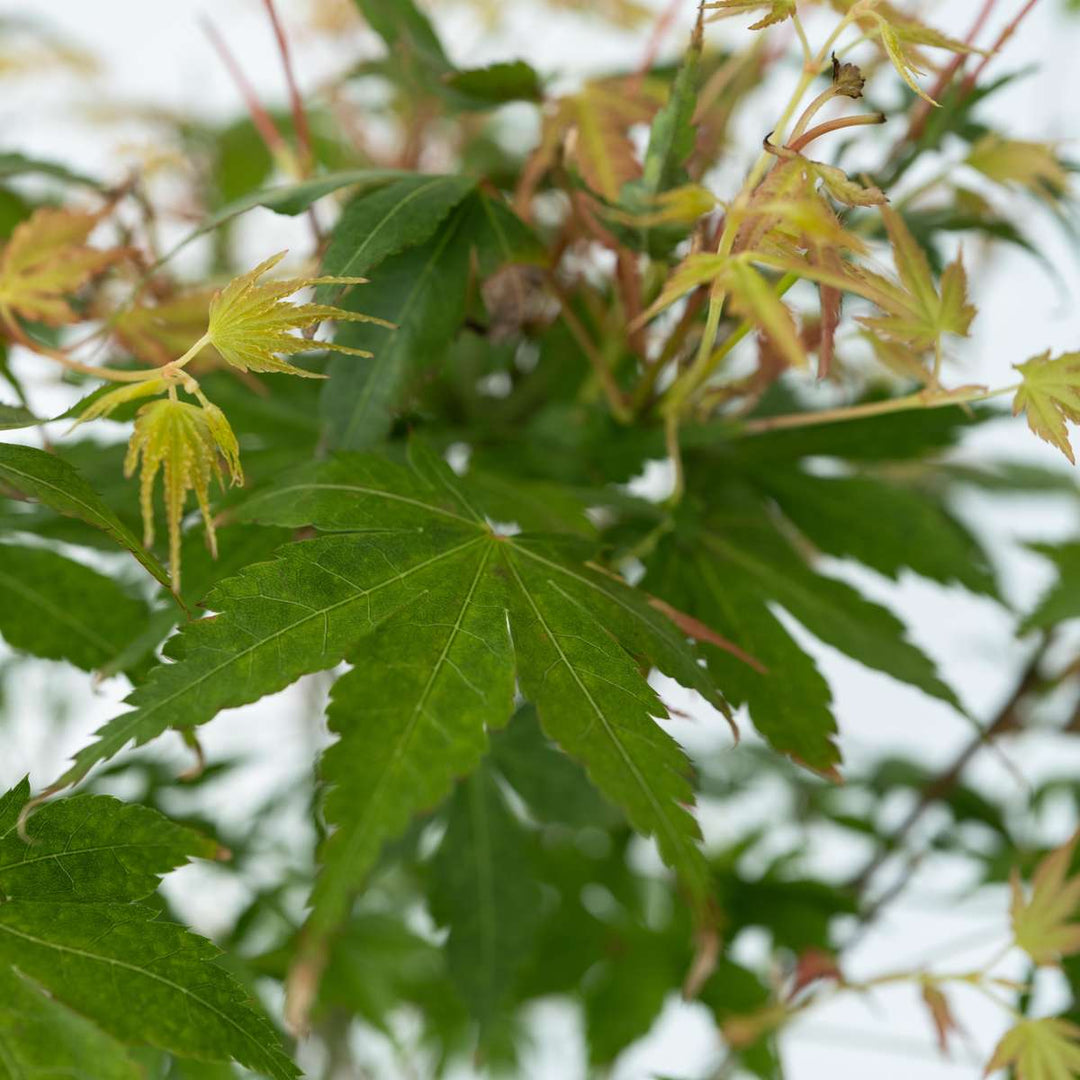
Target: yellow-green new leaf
x=1049 y=395
x=186 y=443
x=901 y=35
x=1046 y=1049
x=251 y=325
x=1044 y=925
x=755 y=299
x=1033 y=166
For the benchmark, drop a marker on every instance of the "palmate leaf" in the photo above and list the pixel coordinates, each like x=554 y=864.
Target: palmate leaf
x=1048 y=396
x=31 y=473
x=439 y=615
x=1045 y=923
x=72 y=922
x=1046 y=1049
x=931 y=312
x=775 y=11
x=53 y=607
x=47 y=259
x=729 y=571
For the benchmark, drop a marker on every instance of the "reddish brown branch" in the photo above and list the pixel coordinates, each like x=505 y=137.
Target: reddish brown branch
x=296 y=103
x=264 y=124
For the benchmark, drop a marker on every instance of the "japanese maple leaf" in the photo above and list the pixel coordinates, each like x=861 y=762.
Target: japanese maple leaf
x=46 y=260
x=921 y=315
x=776 y=11
x=1046 y=1049
x=1049 y=395
x=1043 y=924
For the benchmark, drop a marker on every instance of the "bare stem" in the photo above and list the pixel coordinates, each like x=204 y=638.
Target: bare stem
x=939 y=399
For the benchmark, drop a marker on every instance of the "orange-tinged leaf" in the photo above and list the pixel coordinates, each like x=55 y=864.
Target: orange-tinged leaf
x=163 y=331
x=1039 y=1050
x=46 y=260
x=1049 y=395
x=1044 y=925
x=941 y=1014
x=251 y=324
x=776 y=11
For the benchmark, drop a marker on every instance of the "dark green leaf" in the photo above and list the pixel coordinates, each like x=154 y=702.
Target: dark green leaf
x=53 y=607
x=35 y=474
x=380 y=223
x=422 y=291
x=483 y=890
x=496 y=84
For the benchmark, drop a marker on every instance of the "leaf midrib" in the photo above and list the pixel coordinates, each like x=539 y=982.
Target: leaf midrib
x=388 y=217
x=140 y=713
x=404 y=327
x=405 y=738
x=631 y=765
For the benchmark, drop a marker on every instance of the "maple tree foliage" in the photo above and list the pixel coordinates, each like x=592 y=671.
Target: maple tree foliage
x=411 y=446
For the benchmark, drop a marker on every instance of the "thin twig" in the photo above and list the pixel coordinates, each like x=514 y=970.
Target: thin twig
x=1006 y=719
x=296 y=103
x=923 y=108
x=264 y=124
x=1003 y=37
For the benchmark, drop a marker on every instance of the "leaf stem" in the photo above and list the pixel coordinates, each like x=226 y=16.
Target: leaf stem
x=813 y=67
x=920 y=400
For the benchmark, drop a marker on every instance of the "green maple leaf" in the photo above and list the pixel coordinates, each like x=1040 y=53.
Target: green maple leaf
x=441 y=617
x=1049 y=395
x=1046 y=1049
x=40 y=1037
x=1044 y=924
x=73 y=922
x=484 y=891
x=54 y=607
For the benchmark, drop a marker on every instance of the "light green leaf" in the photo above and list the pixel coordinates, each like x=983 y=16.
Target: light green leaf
x=47 y=478
x=53 y=607
x=1049 y=395
x=484 y=891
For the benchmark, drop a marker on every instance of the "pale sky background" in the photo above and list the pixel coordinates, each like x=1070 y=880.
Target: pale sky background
x=155 y=53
